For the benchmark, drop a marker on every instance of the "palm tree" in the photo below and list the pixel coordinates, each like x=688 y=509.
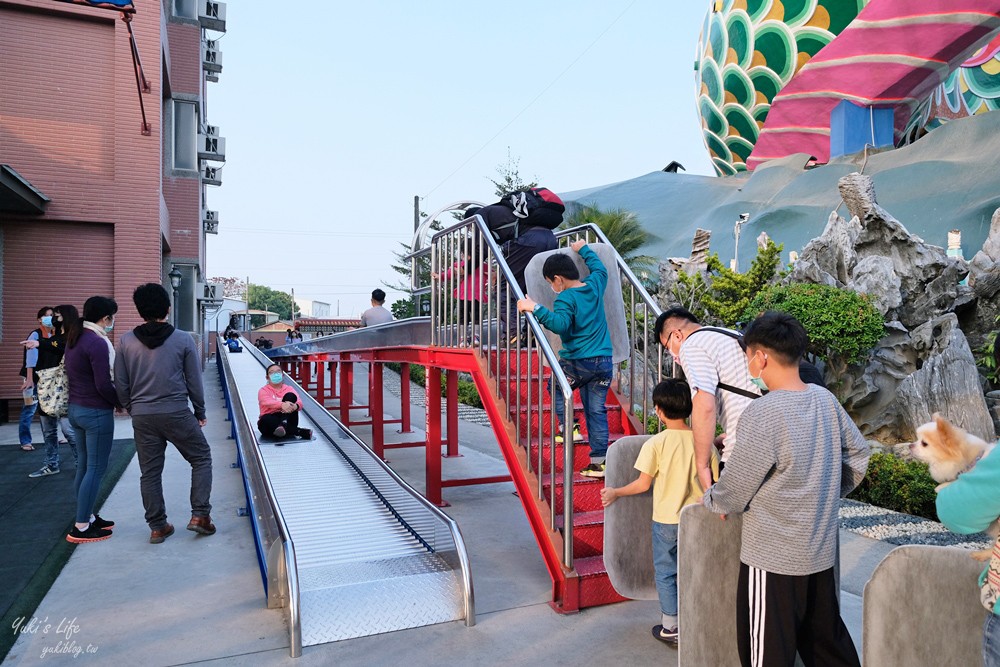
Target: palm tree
x=624 y=232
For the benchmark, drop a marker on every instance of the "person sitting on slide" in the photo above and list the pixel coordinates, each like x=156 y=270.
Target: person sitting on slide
x=279 y=408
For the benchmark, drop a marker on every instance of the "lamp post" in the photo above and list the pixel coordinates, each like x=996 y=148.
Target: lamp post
x=175 y=283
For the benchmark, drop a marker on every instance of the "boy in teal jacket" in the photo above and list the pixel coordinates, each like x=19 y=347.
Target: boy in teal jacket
x=969 y=505
x=578 y=317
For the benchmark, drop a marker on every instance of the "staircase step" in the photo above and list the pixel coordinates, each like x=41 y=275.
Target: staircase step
x=595 y=587
x=586 y=492
x=530 y=425
x=581 y=453
x=588 y=533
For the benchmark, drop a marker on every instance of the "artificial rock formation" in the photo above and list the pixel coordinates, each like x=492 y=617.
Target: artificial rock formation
x=924 y=363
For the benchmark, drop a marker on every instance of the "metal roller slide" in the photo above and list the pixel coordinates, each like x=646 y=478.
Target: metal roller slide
x=368 y=553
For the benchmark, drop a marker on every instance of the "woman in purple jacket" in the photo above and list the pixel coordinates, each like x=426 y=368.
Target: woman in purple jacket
x=92 y=401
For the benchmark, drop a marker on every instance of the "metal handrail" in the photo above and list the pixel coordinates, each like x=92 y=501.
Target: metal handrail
x=639 y=315
x=280 y=569
x=470 y=244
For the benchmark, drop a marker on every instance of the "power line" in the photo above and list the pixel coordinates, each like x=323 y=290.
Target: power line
x=533 y=100
x=294 y=232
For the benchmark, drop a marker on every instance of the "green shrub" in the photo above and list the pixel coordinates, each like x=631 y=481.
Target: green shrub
x=724 y=296
x=895 y=484
x=842 y=325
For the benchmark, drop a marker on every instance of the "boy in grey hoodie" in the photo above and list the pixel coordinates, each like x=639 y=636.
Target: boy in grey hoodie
x=157 y=371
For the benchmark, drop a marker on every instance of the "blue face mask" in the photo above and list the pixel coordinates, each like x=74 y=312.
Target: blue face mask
x=276 y=378
x=757 y=382
x=110 y=327
x=47 y=321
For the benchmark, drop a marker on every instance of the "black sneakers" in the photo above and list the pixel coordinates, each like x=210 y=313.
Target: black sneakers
x=102 y=524
x=305 y=433
x=593 y=470
x=92 y=534
x=667 y=636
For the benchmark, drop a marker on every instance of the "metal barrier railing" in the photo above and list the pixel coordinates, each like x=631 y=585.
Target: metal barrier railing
x=637 y=376
x=473 y=297
x=275 y=550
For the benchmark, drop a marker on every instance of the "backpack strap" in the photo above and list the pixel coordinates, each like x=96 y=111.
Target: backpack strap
x=739 y=339
x=737 y=390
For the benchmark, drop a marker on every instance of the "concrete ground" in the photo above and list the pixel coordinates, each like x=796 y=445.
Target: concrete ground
x=200 y=600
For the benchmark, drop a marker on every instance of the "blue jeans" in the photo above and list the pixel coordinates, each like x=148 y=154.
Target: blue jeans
x=95 y=429
x=24 y=425
x=592 y=378
x=50 y=433
x=665 y=565
x=991 y=641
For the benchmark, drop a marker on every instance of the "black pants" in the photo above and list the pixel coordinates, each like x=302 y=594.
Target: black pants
x=777 y=615
x=290 y=420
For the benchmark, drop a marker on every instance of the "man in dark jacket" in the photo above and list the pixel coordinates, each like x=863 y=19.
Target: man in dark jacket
x=157 y=371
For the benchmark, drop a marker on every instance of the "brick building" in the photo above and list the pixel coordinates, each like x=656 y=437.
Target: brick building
x=94 y=200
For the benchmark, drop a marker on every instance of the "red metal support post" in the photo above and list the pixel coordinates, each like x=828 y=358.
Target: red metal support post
x=375 y=408
x=452 y=411
x=321 y=382
x=404 y=398
x=433 y=451
x=346 y=390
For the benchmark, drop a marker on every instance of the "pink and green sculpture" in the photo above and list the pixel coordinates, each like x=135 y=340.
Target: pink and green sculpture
x=770 y=72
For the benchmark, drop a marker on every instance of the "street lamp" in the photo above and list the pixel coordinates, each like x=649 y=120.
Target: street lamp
x=175 y=282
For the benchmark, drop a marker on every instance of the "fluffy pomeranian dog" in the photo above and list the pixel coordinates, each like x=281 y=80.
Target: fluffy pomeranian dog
x=949 y=451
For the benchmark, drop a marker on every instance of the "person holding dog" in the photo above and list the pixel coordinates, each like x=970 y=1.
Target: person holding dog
x=968 y=505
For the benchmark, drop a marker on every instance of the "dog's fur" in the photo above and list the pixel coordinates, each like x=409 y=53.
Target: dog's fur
x=948 y=450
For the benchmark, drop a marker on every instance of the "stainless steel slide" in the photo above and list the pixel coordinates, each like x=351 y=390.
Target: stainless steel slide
x=346 y=545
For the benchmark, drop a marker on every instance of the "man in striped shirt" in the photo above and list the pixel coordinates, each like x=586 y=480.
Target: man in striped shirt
x=716 y=369
x=798 y=454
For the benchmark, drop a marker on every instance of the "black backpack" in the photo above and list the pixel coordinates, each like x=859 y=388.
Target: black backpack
x=502 y=222
x=537 y=207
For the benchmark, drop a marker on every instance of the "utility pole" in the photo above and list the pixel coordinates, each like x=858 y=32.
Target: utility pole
x=413 y=263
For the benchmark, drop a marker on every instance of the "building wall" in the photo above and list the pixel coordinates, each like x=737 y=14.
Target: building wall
x=36 y=275
x=70 y=123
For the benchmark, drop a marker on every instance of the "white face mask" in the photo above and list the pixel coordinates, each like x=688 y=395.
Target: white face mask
x=757 y=381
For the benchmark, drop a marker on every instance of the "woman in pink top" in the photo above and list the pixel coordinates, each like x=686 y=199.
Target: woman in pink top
x=471 y=281
x=279 y=408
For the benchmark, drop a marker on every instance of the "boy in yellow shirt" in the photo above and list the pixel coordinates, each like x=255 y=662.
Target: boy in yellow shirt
x=666 y=462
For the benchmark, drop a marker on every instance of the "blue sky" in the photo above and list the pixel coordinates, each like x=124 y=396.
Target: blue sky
x=336 y=117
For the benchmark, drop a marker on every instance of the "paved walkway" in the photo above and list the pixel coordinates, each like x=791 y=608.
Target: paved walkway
x=200 y=600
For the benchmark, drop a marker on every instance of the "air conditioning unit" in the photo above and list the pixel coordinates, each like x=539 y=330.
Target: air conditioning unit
x=211 y=56
x=210 y=221
x=213 y=15
x=210 y=145
x=210 y=295
x=211 y=175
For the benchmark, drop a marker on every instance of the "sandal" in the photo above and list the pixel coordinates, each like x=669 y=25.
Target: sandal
x=27 y=448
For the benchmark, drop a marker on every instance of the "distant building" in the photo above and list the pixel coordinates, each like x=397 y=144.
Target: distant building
x=308 y=308
x=93 y=198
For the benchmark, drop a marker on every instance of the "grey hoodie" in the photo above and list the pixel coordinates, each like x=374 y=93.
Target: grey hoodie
x=159 y=379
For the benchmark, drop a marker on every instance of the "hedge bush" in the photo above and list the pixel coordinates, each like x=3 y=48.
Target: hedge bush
x=895 y=484
x=843 y=326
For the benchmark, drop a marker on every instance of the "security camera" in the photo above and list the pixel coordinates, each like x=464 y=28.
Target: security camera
x=744 y=217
